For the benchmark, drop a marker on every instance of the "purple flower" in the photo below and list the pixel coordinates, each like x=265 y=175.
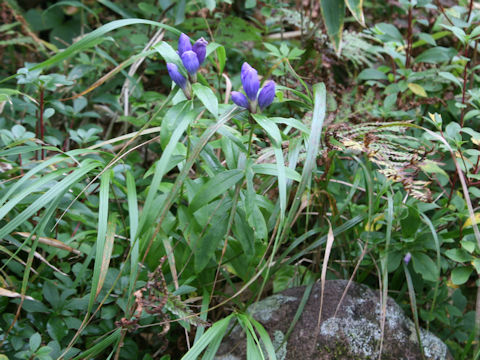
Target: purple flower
x=175 y=75
x=240 y=99
x=200 y=48
x=407 y=258
x=250 y=81
x=251 y=84
x=184 y=44
x=190 y=61
x=267 y=94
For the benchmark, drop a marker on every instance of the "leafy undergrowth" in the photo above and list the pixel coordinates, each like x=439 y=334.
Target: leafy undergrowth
x=139 y=216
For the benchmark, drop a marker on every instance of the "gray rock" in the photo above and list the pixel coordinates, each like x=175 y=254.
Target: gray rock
x=354 y=333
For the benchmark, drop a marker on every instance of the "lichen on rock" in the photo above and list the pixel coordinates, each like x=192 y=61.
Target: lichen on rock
x=354 y=333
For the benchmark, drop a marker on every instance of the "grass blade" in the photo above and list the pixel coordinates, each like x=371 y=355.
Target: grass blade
x=100 y=255
x=217 y=331
x=101 y=346
x=51 y=194
x=413 y=305
x=133 y=218
x=92 y=39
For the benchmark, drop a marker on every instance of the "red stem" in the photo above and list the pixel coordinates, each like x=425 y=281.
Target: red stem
x=464 y=88
x=409 y=37
x=470 y=8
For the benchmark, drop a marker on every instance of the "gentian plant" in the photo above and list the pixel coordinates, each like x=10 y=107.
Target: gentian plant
x=251 y=84
x=192 y=58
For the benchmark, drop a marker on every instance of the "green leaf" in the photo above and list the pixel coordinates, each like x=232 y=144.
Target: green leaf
x=207 y=97
x=424 y=266
x=244 y=234
x=417 y=89
x=436 y=55
x=355 y=7
x=210 y=4
x=44 y=353
x=271 y=169
x=476 y=265
x=182 y=121
x=148 y=9
x=215 y=187
x=274 y=135
x=267 y=342
x=117 y=9
x=169 y=54
x=372 y=74
x=469 y=246
x=333 y=13
x=460 y=275
x=388 y=33
x=427 y=38
x=458 y=255
x=34 y=342
x=212 y=233
x=291 y=122
x=50 y=293
x=451 y=77
x=410 y=224
x=222 y=58
x=56 y=328
x=255 y=217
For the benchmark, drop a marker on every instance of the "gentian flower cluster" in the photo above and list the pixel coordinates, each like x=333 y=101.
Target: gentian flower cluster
x=192 y=58
x=251 y=84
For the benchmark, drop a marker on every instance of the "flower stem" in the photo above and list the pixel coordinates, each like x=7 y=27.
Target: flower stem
x=250 y=136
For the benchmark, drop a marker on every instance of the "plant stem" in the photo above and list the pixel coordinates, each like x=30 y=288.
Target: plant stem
x=464 y=88
x=41 y=125
x=470 y=8
x=409 y=36
x=250 y=137
x=477 y=317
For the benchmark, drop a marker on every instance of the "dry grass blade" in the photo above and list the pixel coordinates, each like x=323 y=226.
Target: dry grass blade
x=328 y=249
x=49 y=241
x=228 y=88
x=13 y=294
x=124 y=95
x=362 y=255
x=45 y=261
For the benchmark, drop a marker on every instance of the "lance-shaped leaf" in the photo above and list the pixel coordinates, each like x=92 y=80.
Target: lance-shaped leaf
x=333 y=13
x=356 y=8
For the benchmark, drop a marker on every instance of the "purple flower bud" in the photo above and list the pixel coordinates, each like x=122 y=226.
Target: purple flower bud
x=175 y=75
x=190 y=61
x=407 y=258
x=200 y=48
x=240 y=99
x=184 y=44
x=250 y=81
x=267 y=94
